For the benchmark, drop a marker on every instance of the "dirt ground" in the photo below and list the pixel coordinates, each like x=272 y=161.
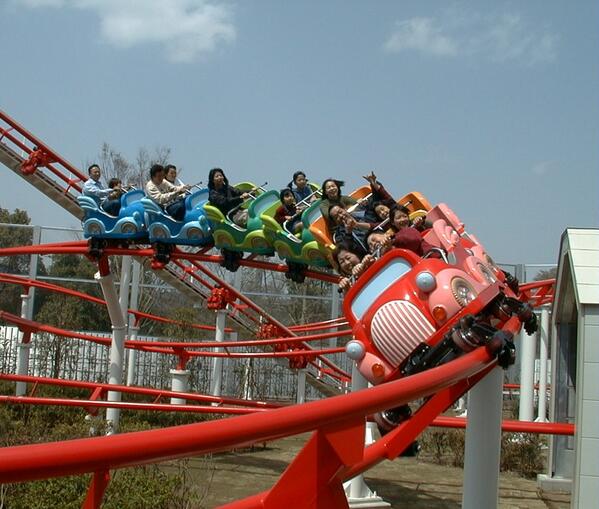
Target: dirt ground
x=405 y=482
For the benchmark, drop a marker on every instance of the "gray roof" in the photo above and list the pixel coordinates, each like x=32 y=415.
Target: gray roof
x=581 y=245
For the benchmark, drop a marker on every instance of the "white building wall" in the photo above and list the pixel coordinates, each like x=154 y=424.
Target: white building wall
x=586 y=474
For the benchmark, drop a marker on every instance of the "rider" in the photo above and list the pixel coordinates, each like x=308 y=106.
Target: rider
x=405 y=235
x=92 y=187
x=165 y=194
x=170 y=174
x=331 y=195
x=288 y=212
x=225 y=197
x=302 y=191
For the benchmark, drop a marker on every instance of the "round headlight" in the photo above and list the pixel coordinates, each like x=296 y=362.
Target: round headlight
x=94 y=229
x=355 y=350
x=129 y=228
x=426 y=281
x=486 y=272
x=462 y=291
x=159 y=232
x=194 y=233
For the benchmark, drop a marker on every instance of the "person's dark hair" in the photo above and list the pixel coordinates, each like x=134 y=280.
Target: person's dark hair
x=295 y=176
x=387 y=203
x=348 y=245
x=338 y=183
x=211 y=174
x=395 y=209
x=155 y=169
x=168 y=167
x=91 y=167
x=285 y=192
x=113 y=182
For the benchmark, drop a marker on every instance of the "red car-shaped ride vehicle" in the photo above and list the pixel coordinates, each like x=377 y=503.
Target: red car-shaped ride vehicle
x=410 y=313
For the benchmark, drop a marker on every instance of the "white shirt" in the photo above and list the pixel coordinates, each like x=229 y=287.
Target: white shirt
x=94 y=188
x=163 y=194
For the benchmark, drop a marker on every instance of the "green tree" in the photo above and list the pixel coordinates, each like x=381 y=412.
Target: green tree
x=12 y=236
x=70 y=312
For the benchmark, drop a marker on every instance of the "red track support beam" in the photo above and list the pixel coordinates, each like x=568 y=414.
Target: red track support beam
x=40 y=461
x=97 y=487
x=311 y=480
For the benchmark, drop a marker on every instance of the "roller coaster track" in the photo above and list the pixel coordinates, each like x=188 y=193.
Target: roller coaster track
x=37 y=163
x=333 y=454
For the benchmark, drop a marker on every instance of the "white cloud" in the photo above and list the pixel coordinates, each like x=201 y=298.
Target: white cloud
x=498 y=37
x=422 y=35
x=186 y=29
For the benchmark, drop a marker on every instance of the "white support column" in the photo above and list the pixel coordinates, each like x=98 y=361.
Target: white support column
x=300 y=396
x=133 y=328
x=461 y=406
x=179 y=383
x=33 y=265
x=132 y=357
x=357 y=491
x=233 y=381
x=483 y=443
x=27 y=303
x=527 y=373
x=246 y=387
x=23 y=349
x=117 y=347
x=124 y=286
x=543 y=355
x=217 y=363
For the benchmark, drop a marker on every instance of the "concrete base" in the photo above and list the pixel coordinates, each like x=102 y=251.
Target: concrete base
x=372 y=501
x=366 y=499
x=554 y=484
x=179 y=383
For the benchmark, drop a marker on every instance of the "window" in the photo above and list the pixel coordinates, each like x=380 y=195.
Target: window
x=388 y=275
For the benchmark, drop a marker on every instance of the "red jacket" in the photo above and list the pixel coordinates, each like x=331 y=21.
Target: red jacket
x=410 y=238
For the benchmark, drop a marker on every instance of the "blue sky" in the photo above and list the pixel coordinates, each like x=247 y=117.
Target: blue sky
x=491 y=107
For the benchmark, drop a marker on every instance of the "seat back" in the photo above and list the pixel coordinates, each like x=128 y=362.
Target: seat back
x=131 y=197
x=266 y=203
x=414 y=201
x=197 y=198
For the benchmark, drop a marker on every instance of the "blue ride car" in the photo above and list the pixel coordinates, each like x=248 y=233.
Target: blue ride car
x=129 y=224
x=194 y=230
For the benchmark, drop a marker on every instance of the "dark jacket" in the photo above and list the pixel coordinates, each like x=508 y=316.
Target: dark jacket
x=225 y=199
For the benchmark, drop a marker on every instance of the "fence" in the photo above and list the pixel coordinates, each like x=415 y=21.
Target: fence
x=76 y=359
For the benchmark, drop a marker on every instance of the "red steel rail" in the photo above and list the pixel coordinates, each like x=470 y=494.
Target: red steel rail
x=40 y=461
x=548 y=428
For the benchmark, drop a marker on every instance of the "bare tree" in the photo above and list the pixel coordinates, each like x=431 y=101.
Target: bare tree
x=162 y=155
x=141 y=168
x=113 y=163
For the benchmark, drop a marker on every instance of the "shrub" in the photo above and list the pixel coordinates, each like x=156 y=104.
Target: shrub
x=521 y=453
x=165 y=486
